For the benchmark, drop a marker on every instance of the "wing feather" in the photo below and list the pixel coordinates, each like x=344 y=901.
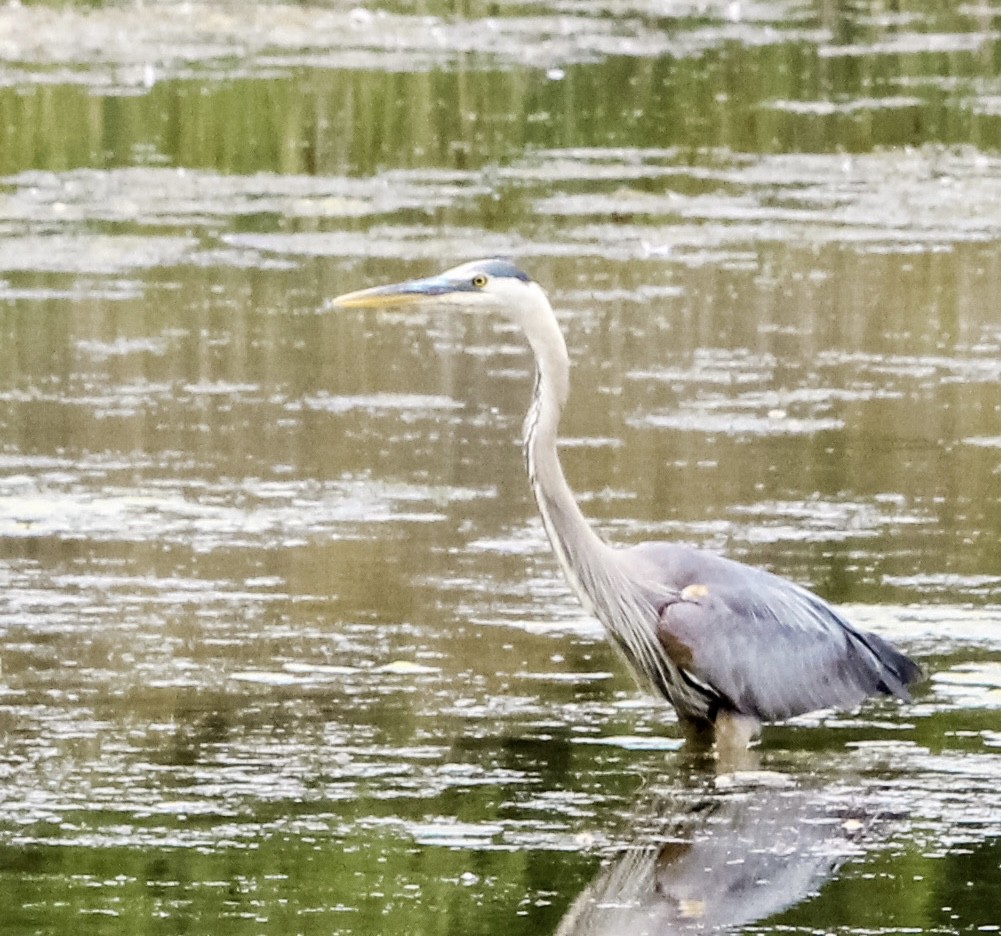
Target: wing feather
x=768 y=647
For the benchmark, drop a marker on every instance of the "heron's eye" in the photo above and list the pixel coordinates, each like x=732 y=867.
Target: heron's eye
x=479 y=281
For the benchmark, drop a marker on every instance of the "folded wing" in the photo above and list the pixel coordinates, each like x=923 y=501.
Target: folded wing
x=767 y=647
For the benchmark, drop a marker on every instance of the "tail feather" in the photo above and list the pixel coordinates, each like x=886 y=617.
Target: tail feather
x=899 y=671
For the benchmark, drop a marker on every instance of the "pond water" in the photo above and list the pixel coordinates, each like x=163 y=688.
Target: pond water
x=282 y=645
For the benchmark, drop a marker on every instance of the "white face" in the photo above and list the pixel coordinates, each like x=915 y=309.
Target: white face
x=474 y=288
x=515 y=298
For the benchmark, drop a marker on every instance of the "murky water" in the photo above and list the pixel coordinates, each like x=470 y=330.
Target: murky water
x=282 y=646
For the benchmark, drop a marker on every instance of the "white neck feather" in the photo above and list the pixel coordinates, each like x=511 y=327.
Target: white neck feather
x=594 y=570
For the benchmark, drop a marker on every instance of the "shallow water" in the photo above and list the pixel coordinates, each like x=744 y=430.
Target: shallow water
x=283 y=648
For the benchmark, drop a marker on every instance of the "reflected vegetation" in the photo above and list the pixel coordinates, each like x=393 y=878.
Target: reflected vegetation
x=332 y=91
x=282 y=646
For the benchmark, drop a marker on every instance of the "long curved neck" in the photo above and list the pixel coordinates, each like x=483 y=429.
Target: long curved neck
x=580 y=551
x=592 y=567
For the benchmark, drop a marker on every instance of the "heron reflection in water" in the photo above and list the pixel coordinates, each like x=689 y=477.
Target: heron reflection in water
x=729 y=860
x=728 y=645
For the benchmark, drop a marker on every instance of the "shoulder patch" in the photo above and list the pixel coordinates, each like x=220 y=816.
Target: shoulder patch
x=694 y=591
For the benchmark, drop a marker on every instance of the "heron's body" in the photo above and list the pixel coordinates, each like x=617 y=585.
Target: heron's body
x=714 y=637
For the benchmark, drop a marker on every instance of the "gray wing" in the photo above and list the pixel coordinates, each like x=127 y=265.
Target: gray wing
x=767 y=647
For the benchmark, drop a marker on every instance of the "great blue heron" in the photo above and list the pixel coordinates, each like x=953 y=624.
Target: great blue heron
x=728 y=645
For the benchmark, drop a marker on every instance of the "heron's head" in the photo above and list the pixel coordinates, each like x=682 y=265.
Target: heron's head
x=488 y=285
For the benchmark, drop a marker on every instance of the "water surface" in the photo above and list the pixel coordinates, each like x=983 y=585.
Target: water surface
x=282 y=646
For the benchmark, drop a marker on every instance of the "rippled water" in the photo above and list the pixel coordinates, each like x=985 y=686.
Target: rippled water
x=282 y=645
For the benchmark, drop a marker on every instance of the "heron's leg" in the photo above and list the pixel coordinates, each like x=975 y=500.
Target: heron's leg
x=698 y=734
x=734 y=734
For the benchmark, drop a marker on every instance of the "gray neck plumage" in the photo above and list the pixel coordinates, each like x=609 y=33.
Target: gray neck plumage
x=594 y=570
x=579 y=550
